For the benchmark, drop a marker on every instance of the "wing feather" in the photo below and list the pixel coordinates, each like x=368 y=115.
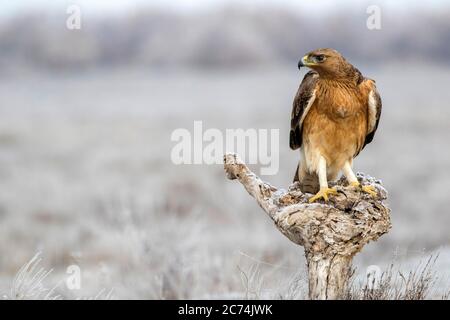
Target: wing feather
x=374 y=113
x=302 y=103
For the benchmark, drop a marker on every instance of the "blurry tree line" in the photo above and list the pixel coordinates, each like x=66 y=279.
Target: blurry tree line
x=226 y=38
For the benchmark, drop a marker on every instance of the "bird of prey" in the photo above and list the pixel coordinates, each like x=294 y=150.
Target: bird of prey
x=335 y=114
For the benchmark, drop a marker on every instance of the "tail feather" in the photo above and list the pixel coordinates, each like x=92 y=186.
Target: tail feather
x=296 y=174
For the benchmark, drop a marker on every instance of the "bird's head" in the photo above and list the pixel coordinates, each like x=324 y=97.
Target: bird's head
x=327 y=62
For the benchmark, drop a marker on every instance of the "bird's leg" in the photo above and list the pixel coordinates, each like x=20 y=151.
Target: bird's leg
x=323 y=181
x=353 y=181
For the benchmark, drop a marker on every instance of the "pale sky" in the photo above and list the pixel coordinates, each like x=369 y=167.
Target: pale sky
x=8 y=7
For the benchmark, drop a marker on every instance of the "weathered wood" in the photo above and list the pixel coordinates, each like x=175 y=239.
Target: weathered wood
x=331 y=233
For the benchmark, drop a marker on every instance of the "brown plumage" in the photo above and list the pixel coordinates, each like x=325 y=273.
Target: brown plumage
x=335 y=115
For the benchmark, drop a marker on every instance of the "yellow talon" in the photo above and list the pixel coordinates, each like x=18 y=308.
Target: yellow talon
x=323 y=193
x=370 y=190
x=356 y=184
x=367 y=189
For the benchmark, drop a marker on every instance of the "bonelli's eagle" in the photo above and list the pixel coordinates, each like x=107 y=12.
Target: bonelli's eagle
x=335 y=115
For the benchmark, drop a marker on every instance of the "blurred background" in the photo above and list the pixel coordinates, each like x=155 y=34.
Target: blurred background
x=86 y=118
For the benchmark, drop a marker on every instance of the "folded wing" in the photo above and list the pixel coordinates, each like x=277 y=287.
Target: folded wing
x=374 y=105
x=302 y=103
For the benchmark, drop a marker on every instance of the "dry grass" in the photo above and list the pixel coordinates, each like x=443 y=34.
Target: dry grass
x=31 y=283
x=394 y=284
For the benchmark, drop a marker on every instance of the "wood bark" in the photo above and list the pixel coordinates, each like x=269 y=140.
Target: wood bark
x=331 y=232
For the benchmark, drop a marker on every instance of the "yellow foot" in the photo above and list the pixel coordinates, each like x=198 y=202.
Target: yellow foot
x=367 y=189
x=323 y=193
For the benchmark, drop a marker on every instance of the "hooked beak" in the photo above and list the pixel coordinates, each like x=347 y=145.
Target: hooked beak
x=304 y=62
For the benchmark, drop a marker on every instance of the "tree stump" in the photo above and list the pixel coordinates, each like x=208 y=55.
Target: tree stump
x=331 y=232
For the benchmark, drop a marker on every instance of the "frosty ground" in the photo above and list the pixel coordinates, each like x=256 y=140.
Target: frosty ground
x=87 y=179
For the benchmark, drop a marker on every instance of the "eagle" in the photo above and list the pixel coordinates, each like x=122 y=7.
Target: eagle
x=335 y=114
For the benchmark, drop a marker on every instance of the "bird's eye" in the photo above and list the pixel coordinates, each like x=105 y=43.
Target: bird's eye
x=320 y=58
